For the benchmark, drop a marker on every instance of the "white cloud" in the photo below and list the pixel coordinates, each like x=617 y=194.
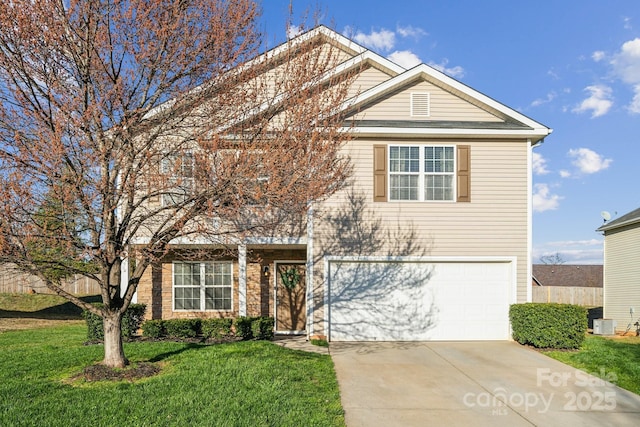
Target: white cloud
x=626 y=63
x=564 y=173
x=539 y=164
x=550 y=97
x=634 y=107
x=588 y=251
x=405 y=58
x=570 y=243
x=627 y=23
x=457 y=71
x=294 y=31
x=383 y=40
x=410 y=31
x=543 y=200
x=553 y=74
x=588 y=161
x=598 y=55
x=599 y=101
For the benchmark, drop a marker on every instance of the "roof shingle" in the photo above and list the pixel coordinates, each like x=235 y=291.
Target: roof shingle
x=568 y=275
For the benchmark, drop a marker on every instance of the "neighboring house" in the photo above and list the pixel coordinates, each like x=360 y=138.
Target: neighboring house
x=431 y=241
x=622 y=270
x=568 y=284
x=567 y=275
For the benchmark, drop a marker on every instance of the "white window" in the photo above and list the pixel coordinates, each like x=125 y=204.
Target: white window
x=199 y=286
x=179 y=167
x=422 y=173
x=404 y=170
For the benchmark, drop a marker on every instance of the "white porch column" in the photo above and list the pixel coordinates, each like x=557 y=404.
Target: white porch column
x=124 y=280
x=309 y=271
x=242 y=280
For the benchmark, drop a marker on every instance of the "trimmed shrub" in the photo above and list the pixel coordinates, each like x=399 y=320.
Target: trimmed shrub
x=132 y=319
x=243 y=327
x=262 y=328
x=216 y=328
x=182 y=328
x=131 y=322
x=549 y=325
x=154 y=329
x=95 y=327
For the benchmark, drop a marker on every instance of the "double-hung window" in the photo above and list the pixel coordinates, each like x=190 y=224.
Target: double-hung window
x=422 y=172
x=179 y=167
x=199 y=286
x=404 y=172
x=439 y=173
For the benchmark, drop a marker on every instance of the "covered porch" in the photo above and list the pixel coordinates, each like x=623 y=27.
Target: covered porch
x=257 y=277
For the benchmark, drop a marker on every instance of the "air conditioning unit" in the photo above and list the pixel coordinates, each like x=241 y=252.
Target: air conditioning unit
x=604 y=327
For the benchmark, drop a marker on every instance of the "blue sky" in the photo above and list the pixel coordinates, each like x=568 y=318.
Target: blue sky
x=571 y=65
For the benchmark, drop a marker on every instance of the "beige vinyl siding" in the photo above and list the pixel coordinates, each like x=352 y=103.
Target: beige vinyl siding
x=339 y=55
x=622 y=275
x=443 y=106
x=367 y=78
x=272 y=82
x=494 y=223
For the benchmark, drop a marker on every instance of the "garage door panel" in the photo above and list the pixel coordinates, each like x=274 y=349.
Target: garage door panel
x=366 y=297
x=416 y=301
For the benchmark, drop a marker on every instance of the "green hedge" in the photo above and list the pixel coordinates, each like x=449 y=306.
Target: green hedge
x=154 y=329
x=217 y=328
x=182 y=328
x=245 y=328
x=242 y=327
x=131 y=321
x=262 y=328
x=551 y=325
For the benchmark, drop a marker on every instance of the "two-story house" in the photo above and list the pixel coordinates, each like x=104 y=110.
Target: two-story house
x=431 y=239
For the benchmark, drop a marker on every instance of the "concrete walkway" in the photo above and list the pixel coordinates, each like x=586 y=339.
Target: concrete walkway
x=298 y=342
x=473 y=384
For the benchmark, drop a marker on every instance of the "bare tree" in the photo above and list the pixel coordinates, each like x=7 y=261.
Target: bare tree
x=137 y=122
x=554 y=259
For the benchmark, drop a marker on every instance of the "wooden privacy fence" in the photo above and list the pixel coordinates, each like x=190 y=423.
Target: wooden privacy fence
x=17 y=282
x=578 y=295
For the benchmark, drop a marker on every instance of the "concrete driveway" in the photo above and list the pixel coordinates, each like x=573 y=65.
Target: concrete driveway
x=473 y=383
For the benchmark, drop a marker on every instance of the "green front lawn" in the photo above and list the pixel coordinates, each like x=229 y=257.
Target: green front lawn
x=237 y=384
x=610 y=358
x=40 y=305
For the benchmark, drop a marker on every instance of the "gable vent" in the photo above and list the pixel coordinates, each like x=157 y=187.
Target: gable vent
x=420 y=104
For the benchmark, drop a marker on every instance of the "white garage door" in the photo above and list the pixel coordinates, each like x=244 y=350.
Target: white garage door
x=419 y=301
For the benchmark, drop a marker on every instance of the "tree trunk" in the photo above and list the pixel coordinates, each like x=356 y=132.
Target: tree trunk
x=113 y=349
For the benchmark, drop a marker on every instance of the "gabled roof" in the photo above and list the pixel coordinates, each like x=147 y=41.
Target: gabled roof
x=568 y=275
x=631 y=218
x=514 y=123
x=337 y=40
x=511 y=124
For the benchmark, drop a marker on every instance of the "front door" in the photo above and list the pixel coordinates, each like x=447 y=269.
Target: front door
x=291 y=307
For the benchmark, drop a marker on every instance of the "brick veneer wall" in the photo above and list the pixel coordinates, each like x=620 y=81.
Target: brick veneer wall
x=155 y=288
